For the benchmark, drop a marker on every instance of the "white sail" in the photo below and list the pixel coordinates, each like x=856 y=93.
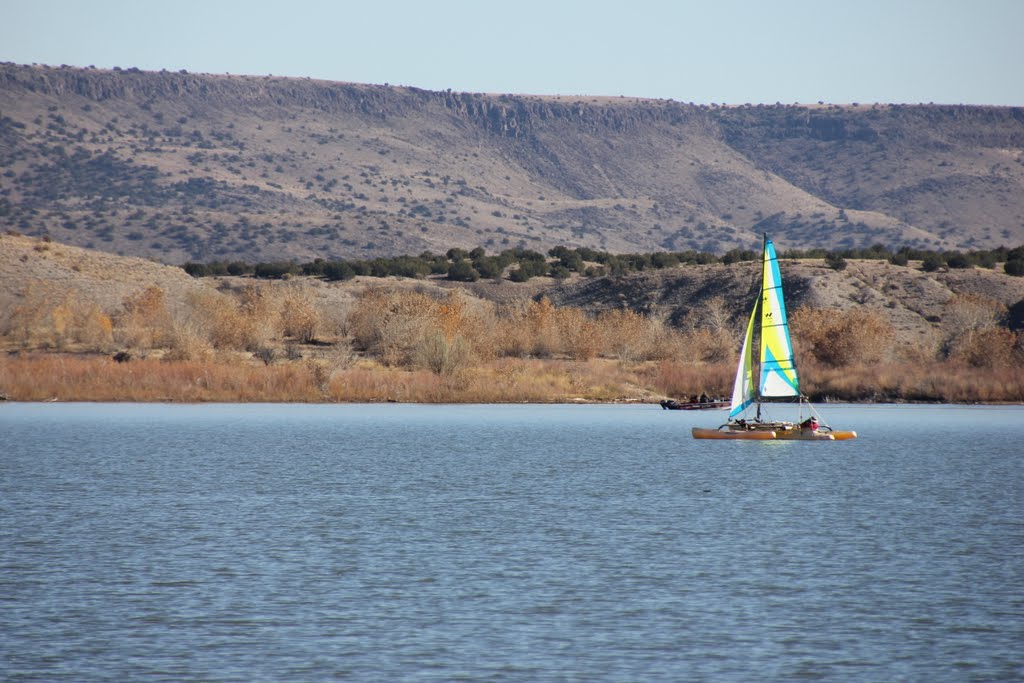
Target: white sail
x=743 y=388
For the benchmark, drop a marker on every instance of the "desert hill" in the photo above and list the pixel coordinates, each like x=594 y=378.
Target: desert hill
x=179 y=166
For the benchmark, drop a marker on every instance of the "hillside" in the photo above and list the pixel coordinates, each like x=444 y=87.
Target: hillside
x=178 y=167
x=913 y=301
x=39 y=273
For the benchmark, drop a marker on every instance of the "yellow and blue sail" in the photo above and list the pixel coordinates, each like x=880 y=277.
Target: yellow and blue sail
x=778 y=368
x=777 y=377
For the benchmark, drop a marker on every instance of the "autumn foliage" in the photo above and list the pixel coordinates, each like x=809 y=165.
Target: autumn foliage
x=277 y=341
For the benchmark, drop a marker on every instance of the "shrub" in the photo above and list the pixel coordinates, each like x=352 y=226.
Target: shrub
x=338 y=270
x=239 y=268
x=559 y=272
x=300 y=318
x=626 y=334
x=841 y=338
x=708 y=345
x=242 y=322
x=835 y=261
x=664 y=259
x=188 y=343
x=489 y=267
x=580 y=334
x=542 y=328
x=932 y=262
x=958 y=260
x=974 y=332
x=966 y=312
x=519 y=275
x=29 y=321
x=568 y=258
x=1015 y=267
x=441 y=356
x=145 y=321
x=390 y=325
x=991 y=347
x=463 y=271
x=267 y=354
x=96 y=329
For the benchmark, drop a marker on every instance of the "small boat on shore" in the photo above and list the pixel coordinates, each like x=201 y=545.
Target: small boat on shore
x=775 y=368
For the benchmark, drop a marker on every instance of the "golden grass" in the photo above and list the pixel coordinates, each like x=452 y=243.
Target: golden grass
x=500 y=381
x=70 y=377
x=67 y=377
x=230 y=346
x=687 y=380
x=946 y=382
x=94 y=378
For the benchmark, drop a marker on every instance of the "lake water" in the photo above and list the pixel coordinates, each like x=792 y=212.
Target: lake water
x=506 y=543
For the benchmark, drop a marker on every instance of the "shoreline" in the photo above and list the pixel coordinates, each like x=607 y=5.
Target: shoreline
x=82 y=378
x=9 y=401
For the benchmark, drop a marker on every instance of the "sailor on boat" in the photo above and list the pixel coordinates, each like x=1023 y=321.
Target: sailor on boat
x=810 y=424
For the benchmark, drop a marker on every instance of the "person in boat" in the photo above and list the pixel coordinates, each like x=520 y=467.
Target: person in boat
x=703 y=398
x=810 y=423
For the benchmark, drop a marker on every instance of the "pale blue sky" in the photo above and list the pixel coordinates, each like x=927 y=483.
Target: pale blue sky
x=726 y=51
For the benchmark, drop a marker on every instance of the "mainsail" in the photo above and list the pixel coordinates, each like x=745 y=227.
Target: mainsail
x=777 y=377
x=778 y=369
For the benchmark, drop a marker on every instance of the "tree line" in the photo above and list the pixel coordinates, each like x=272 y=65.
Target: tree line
x=520 y=264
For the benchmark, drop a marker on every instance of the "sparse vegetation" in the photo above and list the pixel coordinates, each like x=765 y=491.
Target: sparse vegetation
x=134 y=172
x=275 y=340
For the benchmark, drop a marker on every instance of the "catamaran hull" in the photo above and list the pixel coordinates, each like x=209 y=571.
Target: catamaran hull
x=701 y=433
x=771 y=434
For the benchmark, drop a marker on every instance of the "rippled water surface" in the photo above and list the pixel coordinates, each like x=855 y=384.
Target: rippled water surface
x=518 y=543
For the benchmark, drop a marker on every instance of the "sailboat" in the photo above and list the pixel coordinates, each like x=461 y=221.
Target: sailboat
x=775 y=370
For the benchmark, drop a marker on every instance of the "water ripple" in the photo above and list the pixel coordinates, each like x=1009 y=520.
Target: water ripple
x=511 y=543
